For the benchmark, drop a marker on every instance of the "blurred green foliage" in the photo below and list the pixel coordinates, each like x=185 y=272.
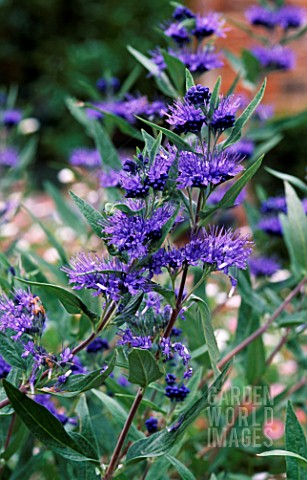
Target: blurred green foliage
x=49 y=49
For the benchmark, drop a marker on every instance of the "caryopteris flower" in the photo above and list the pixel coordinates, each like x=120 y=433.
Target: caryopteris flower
x=133 y=234
x=196 y=170
x=211 y=24
x=275 y=58
x=108 y=278
x=9 y=157
x=10 y=118
x=263 y=266
x=151 y=424
x=198 y=95
x=177 y=393
x=97 y=345
x=181 y=12
x=201 y=61
x=261 y=16
x=185 y=117
x=290 y=16
x=85 y=157
x=225 y=115
x=5 y=368
x=137 y=341
x=23 y=313
x=178 y=33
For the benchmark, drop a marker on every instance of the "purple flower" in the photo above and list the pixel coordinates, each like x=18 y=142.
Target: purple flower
x=273 y=205
x=5 y=368
x=244 y=147
x=177 y=394
x=76 y=366
x=198 y=95
x=196 y=170
x=263 y=266
x=108 y=85
x=212 y=24
x=97 y=345
x=151 y=424
x=290 y=16
x=122 y=381
x=11 y=118
x=134 y=234
x=224 y=116
x=181 y=12
x=200 y=61
x=165 y=346
x=110 y=278
x=275 y=58
x=176 y=332
x=45 y=401
x=178 y=33
x=9 y=157
x=85 y=157
x=109 y=179
x=170 y=379
x=271 y=225
x=264 y=111
x=127 y=338
x=22 y=314
x=182 y=352
x=185 y=117
x=65 y=356
x=261 y=16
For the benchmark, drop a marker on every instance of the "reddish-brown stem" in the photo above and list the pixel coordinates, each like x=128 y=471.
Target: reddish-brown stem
x=257 y=332
x=177 y=308
x=122 y=437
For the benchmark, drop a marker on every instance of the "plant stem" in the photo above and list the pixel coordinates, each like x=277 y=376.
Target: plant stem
x=259 y=331
x=123 y=435
x=177 y=308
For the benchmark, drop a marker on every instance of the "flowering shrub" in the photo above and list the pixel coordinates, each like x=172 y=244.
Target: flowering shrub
x=110 y=375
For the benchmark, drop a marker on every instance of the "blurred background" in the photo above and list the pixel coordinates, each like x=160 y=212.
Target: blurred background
x=58 y=48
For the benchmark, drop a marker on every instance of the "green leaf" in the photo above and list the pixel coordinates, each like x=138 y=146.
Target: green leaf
x=152 y=144
x=161 y=78
x=251 y=65
x=295 y=230
x=69 y=300
x=161 y=443
x=176 y=69
x=46 y=427
x=130 y=309
x=294 y=36
x=68 y=216
x=92 y=216
x=108 y=152
x=176 y=139
x=205 y=316
x=80 y=383
x=183 y=471
x=296 y=443
x=236 y=131
x=285 y=453
x=214 y=99
x=76 y=109
x=121 y=123
x=288 y=178
x=189 y=80
x=11 y=352
x=166 y=293
x=86 y=427
x=143 y=367
x=119 y=413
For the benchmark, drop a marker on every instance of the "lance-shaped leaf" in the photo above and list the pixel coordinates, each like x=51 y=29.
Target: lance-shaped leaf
x=47 y=428
x=183 y=471
x=205 y=316
x=76 y=384
x=176 y=139
x=161 y=443
x=288 y=178
x=69 y=300
x=295 y=230
x=296 y=443
x=214 y=99
x=108 y=152
x=236 y=131
x=176 y=70
x=189 y=80
x=286 y=453
x=92 y=216
x=143 y=367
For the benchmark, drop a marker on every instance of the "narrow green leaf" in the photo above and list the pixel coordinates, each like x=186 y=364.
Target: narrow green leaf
x=189 y=80
x=288 y=178
x=68 y=216
x=108 y=152
x=11 y=352
x=85 y=422
x=176 y=70
x=211 y=343
x=214 y=99
x=296 y=443
x=130 y=309
x=176 y=139
x=284 y=453
x=236 y=131
x=76 y=109
x=69 y=300
x=46 y=427
x=122 y=124
x=252 y=66
x=183 y=471
x=143 y=368
x=295 y=230
x=119 y=413
x=161 y=443
x=152 y=144
x=76 y=384
x=92 y=216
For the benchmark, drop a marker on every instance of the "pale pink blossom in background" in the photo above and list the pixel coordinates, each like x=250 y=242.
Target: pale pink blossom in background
x=288 y=367
x=274 y=429
x=276 y=389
